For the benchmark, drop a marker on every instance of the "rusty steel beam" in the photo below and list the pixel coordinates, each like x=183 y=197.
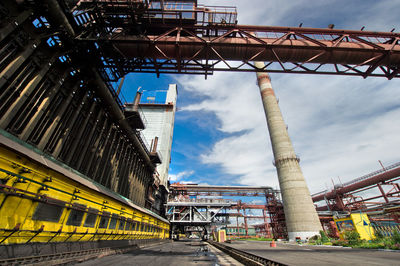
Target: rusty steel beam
x=289 y=50
x=249 y=206
x=199 y=190
x=382 y=176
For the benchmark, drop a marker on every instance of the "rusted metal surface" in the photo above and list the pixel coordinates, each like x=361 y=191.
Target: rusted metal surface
x=140 y=36
x=291 y=50
x=376 y=193
x=193 y=190
x=381 y=176
x=291 y=46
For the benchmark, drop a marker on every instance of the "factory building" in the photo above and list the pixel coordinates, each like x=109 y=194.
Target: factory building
x=158 y=108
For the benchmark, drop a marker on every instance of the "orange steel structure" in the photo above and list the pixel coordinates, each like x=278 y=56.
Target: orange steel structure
x=266 y=226
x=186 y=37
x=347 y=198
x=199 y=190
x=272 y=209
x=294 y=50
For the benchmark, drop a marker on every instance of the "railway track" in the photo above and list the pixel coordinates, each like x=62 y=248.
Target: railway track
x=245 y=257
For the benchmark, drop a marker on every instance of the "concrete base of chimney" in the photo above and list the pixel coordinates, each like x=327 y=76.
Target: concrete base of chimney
x=303 y=235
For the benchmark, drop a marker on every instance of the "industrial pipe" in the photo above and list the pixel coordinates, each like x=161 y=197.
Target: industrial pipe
x=136 y=101
x=58 y=16
x=390 y=174
x=119 y=117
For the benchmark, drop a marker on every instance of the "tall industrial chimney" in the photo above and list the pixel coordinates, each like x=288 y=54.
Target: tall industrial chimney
x=301 y=217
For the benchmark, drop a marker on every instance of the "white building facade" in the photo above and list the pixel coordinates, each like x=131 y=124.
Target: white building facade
x=160 y=116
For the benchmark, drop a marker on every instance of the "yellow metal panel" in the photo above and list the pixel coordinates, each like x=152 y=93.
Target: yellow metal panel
x=27 y=183
x=358 y=222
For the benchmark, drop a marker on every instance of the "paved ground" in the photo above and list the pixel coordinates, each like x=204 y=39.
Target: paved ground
x=173 y=253
x=293 y=254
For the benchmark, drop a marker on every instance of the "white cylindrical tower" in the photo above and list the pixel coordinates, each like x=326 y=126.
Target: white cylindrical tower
x=301 y=217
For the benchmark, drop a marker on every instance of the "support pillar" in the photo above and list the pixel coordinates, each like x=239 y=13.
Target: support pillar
x=266 y=226
x=300 y=214
x=245 y=223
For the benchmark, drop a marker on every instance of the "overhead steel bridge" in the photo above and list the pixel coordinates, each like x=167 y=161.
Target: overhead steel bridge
x=120 y=37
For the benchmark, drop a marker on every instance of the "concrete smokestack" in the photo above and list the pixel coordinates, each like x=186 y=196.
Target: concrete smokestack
x=301 y=217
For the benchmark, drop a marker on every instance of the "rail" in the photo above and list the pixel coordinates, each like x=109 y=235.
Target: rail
x=245 y=257
x=153 y=11
x=144 y=141
x=372 y=174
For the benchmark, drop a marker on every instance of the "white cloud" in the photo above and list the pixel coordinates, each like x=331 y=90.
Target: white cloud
x=180 y=175
x=340 y=126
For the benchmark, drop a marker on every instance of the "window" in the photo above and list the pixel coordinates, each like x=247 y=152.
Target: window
x=48 y=212
x=105 y=217
x=128 y=226
x=113 y=222
x=53 y=40
x=122 y=223
x=76 y=215
x=91 y=217
x=134 y=226
x=40 y=22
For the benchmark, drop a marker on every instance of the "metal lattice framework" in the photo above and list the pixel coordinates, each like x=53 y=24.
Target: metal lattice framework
x=272 y=208
x=199 y=190
x=288 y=50
x=147 y=36
x=197 y=213
x=377 y=191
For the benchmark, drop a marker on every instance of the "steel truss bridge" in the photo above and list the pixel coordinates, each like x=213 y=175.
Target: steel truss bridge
x=121 y=37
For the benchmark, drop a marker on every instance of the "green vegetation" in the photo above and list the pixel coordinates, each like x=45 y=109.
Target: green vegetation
x=352 y=239
x=321 y=239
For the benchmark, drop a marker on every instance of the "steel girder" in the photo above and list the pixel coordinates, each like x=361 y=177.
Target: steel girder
x=234 y=48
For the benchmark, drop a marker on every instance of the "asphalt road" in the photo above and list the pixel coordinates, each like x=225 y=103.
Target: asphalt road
x=189 y=252
x=293 y=254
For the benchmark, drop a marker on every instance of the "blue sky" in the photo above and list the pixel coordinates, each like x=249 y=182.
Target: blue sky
x=340 y=126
